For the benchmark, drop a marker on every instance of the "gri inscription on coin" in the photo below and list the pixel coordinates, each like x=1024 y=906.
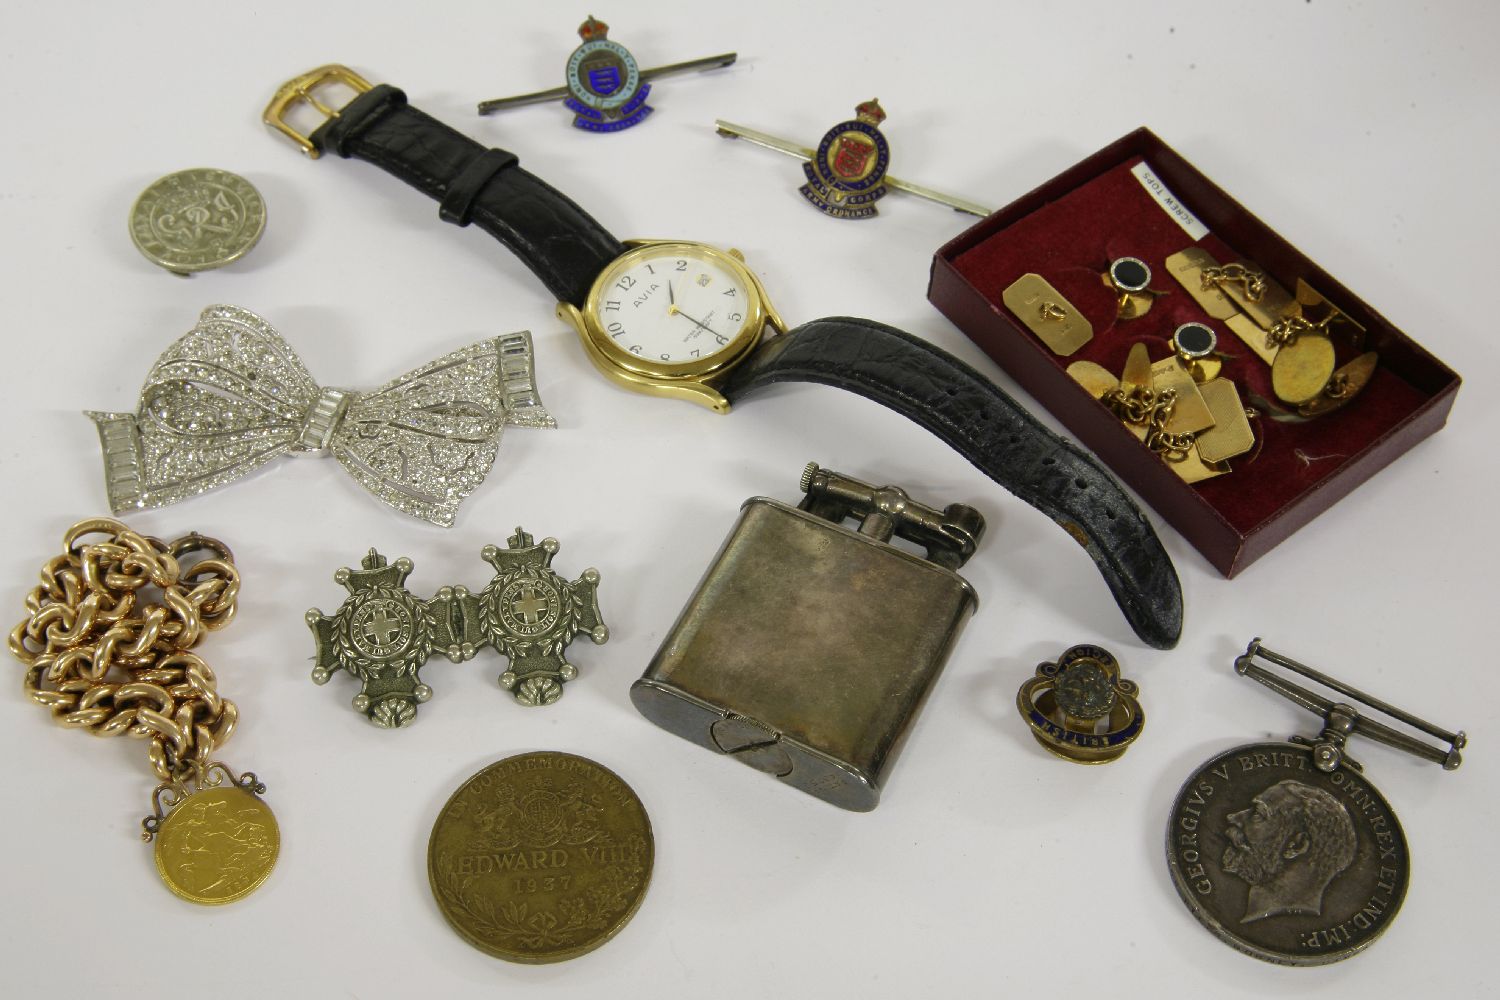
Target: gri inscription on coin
x=1283 y=861
x=196 y=220
x=540 y=857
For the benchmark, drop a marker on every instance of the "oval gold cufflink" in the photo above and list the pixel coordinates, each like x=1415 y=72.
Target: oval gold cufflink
x=1305 y=359
x=1130 y=277
x=1080 y=708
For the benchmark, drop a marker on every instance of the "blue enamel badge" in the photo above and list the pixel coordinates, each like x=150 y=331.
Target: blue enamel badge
x=846 y=176
x=605 y=89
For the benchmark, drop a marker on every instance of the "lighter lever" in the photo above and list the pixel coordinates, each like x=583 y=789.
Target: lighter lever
x=950 y=535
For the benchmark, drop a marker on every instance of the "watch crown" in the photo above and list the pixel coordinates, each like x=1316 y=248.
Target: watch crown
x=736 y=255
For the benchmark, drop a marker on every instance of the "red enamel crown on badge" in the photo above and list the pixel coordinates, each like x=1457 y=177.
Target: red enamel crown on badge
x=870 y=112
x=592 y=28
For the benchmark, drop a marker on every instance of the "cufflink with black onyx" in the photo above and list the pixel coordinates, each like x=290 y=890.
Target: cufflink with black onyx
x=1195 y=345
x=1130 y=277
x=1291 y=333
x=1080 y=708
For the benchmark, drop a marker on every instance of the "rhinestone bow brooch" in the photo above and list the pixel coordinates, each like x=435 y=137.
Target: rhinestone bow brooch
x=231 y=395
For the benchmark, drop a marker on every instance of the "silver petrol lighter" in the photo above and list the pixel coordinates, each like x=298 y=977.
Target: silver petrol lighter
x=809 y=646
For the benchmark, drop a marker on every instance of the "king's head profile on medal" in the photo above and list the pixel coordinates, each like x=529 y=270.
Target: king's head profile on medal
x=1287 y=851
x=1289 y=844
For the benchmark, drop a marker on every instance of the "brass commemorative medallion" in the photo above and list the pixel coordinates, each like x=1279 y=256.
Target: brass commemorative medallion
x=197 y=220
x=540 y=857
x=217 y=846
x=1284 y=861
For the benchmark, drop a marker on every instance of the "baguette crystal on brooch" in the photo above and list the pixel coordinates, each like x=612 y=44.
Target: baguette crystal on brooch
x=231 y=395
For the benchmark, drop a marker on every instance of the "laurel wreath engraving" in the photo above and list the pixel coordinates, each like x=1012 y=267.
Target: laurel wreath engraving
x=364 y=667
x=517 y=924
x=555 y=640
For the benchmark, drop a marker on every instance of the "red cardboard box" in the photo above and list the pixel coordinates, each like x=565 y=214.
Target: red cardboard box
x=1069 y=229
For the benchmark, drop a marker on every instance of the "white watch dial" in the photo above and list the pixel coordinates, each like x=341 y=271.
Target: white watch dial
x=673 y=307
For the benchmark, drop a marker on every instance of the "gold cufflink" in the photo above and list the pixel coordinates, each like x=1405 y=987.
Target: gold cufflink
x=1130 y=277
x=1047 y=313
x=1196 y=346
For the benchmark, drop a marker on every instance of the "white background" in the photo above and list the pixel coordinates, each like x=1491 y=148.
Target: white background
x=1364 y=132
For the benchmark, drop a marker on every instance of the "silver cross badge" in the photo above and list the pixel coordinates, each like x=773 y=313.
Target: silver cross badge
x=530 y=614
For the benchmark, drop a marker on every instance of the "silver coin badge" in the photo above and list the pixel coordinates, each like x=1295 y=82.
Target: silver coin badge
x=197 y=220
x=1286 y=851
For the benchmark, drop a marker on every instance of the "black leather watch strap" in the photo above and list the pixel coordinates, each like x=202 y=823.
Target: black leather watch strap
x=560 y=242
x=993 y=431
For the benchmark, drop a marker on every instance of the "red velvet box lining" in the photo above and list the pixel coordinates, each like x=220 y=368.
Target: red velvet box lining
x=1070 y=229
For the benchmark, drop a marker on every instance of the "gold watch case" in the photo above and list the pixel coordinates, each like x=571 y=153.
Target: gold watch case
x=694 y=380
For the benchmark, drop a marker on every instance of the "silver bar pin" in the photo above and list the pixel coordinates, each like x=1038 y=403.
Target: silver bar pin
x=1450 y=759
x=558 y=93
x=733 y=131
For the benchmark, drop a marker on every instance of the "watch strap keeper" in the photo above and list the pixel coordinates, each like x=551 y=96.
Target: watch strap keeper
x=560 y=242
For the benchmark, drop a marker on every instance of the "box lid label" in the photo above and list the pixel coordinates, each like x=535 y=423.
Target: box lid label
x=1168 y=202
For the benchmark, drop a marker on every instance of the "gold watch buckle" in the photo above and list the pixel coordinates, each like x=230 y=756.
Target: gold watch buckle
x=300 y=90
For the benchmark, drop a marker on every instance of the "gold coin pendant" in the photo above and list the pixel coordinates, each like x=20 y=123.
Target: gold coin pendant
x=217 y=845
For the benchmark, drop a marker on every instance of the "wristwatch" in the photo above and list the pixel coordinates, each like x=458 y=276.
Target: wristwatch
x=691 y=321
